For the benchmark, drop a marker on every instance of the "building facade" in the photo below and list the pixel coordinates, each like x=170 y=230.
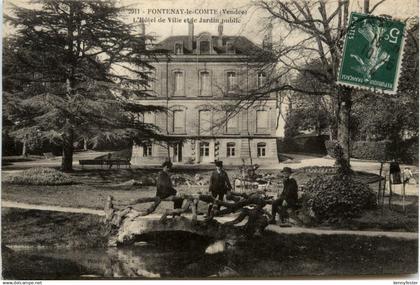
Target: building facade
x=201 y=85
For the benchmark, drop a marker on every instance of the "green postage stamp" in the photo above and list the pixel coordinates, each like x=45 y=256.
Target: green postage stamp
x=372 y=53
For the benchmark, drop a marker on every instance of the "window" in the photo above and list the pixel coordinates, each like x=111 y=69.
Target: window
x=261 y=149
x=229 y=48
x=260 y=79
x=179 y=83
x=179 y=121
x=230 y=149
x=232 y=124
x=147 y=150
x=178 y=48
x=204 y=47
x=205 y=123
x=231 y=81
x=262 y=121
x=204 y=149
x=205 y=83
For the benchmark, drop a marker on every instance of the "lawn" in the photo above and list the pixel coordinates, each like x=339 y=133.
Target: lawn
x=93 y=186
x=44 y=228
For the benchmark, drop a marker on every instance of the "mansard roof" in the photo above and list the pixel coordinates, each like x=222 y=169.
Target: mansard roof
x=240 y=44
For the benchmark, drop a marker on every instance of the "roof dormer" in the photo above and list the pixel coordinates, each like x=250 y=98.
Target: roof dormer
x=204 y=43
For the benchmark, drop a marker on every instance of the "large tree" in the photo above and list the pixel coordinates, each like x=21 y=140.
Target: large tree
x=74 y=71
x=313 y=32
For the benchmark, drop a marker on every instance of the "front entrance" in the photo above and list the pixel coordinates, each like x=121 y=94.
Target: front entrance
x=205 y=152
x=177 y=153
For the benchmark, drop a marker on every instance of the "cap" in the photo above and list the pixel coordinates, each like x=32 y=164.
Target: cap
x=218 y=163
x=287 y=170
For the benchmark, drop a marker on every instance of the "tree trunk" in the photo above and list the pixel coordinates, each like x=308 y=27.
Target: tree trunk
x=24 y=148
x=343 y=130
x=67 y=159
x=366 y=6
x=85 y=144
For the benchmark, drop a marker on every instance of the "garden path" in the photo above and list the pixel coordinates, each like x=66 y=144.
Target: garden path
x=272 y=228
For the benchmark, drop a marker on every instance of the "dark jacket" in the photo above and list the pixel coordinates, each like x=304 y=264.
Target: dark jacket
x=290 y=192
x=219 y=183
x=164 y=186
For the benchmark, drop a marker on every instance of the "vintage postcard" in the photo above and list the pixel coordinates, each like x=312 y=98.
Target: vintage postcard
x=194 y=139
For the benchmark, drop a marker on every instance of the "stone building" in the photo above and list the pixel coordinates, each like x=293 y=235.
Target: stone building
x=201 y=85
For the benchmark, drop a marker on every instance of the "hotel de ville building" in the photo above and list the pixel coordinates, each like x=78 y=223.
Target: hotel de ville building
x=201 y=85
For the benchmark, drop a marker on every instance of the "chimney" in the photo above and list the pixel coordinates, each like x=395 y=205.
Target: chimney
x=268 y=37
x=190 y=35
x=220 y=35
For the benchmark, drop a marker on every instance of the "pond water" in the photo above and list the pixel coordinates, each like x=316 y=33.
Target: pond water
x=142 y=260
x=270 y=256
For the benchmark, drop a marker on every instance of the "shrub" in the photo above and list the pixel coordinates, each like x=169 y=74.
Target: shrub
x=339 y=196
x=40 y=176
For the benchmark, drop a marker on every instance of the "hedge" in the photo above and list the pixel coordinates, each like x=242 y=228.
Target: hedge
x=406 y=151
x=371 y=150
x=304 y=144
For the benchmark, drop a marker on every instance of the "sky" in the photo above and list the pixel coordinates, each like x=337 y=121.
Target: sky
x=249 y=23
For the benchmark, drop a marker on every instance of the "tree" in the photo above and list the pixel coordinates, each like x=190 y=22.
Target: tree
x=309 y=111
x=374 y=116
x=75 y=70
x=313 y=31
x=393 y=118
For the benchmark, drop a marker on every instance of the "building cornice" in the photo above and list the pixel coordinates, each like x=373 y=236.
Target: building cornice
x=207 y=58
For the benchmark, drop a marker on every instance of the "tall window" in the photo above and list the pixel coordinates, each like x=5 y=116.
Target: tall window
x=179 y=121
x=179 y=83
x=232 y=124
x=260 y=79
x=261 y=149
x=205 y=83
x=204 y=47
x=204 y=149
x=205 y=123
x=231 y=81
x=178 y=48
x=230 y=149
x=147 y=150
x=262 y=121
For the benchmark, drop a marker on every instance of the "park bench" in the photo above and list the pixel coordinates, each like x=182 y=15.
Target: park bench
x=106 y=162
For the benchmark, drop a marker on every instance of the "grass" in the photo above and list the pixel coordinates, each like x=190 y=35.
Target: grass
x=44 y=228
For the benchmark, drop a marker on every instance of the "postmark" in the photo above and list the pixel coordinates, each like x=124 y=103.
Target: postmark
x=372 y=54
